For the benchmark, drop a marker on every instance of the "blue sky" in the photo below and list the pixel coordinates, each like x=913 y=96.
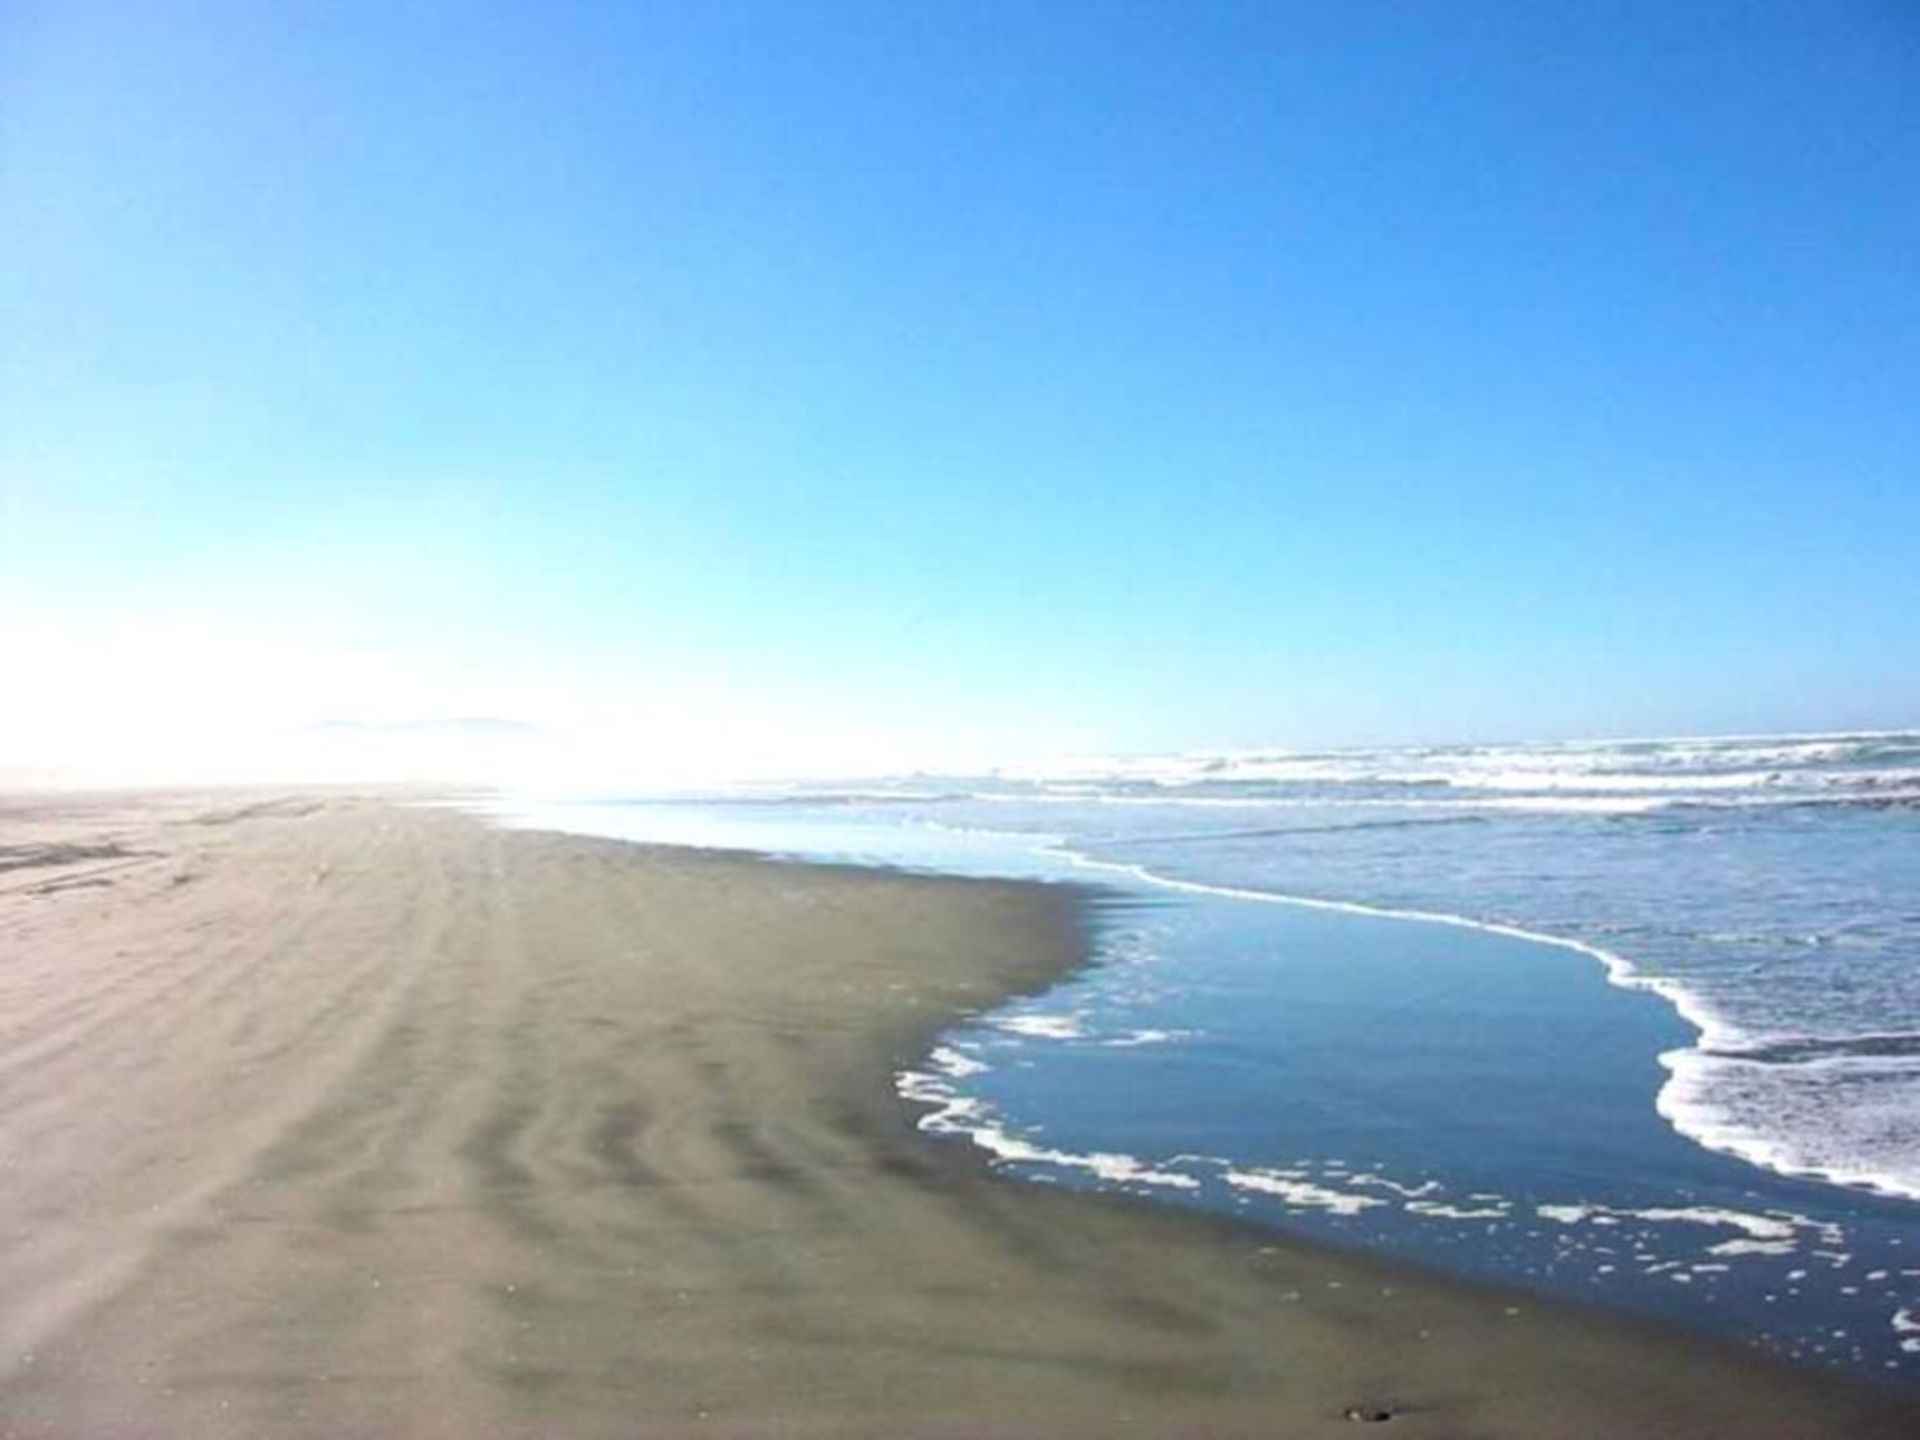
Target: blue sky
x=846 y=381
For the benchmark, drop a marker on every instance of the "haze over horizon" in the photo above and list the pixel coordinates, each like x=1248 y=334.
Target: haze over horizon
x=766 y=389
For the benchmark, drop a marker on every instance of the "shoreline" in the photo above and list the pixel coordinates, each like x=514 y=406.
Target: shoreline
x=613 y=1128
x=931 y=1093
x=1713 y=1037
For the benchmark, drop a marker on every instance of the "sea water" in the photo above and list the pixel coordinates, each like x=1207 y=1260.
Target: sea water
x=1635 y=1022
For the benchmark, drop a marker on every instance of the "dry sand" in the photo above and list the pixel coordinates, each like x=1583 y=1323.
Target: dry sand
x=325 y=1117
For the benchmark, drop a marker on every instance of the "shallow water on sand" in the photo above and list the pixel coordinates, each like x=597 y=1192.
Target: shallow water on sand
x=1479 y=1096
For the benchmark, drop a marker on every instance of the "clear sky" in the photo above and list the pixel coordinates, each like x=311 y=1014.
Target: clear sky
x=835 y=384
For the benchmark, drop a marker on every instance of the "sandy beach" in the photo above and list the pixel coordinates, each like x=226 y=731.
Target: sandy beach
x=329 y=1116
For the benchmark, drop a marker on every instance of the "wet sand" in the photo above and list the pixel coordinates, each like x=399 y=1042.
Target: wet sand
x=327 y=1117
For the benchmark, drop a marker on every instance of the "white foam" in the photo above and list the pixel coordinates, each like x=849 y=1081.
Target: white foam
x=1738 y=766
x=1042 y=1027
x=951 y=1062
x=1301 y=1193
x=1884 y=787
x=1116 y=1168
x=1409 y=1192
x=1771 y=1229
x=1906 y=1323
x=1440 y=1210
x=1752 y=1247
x=955 y=1114
x=1134 y=1038
x=1756 y=1227
x=1701 y=1100
x=1564 y=1214
x=1576 y=804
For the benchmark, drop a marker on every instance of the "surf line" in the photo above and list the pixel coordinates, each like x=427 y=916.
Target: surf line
x=1673 y=1104
x=1712 y=1033
x=1619 y=970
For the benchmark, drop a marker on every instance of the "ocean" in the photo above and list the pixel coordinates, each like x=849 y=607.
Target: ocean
x=1628 y=1022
